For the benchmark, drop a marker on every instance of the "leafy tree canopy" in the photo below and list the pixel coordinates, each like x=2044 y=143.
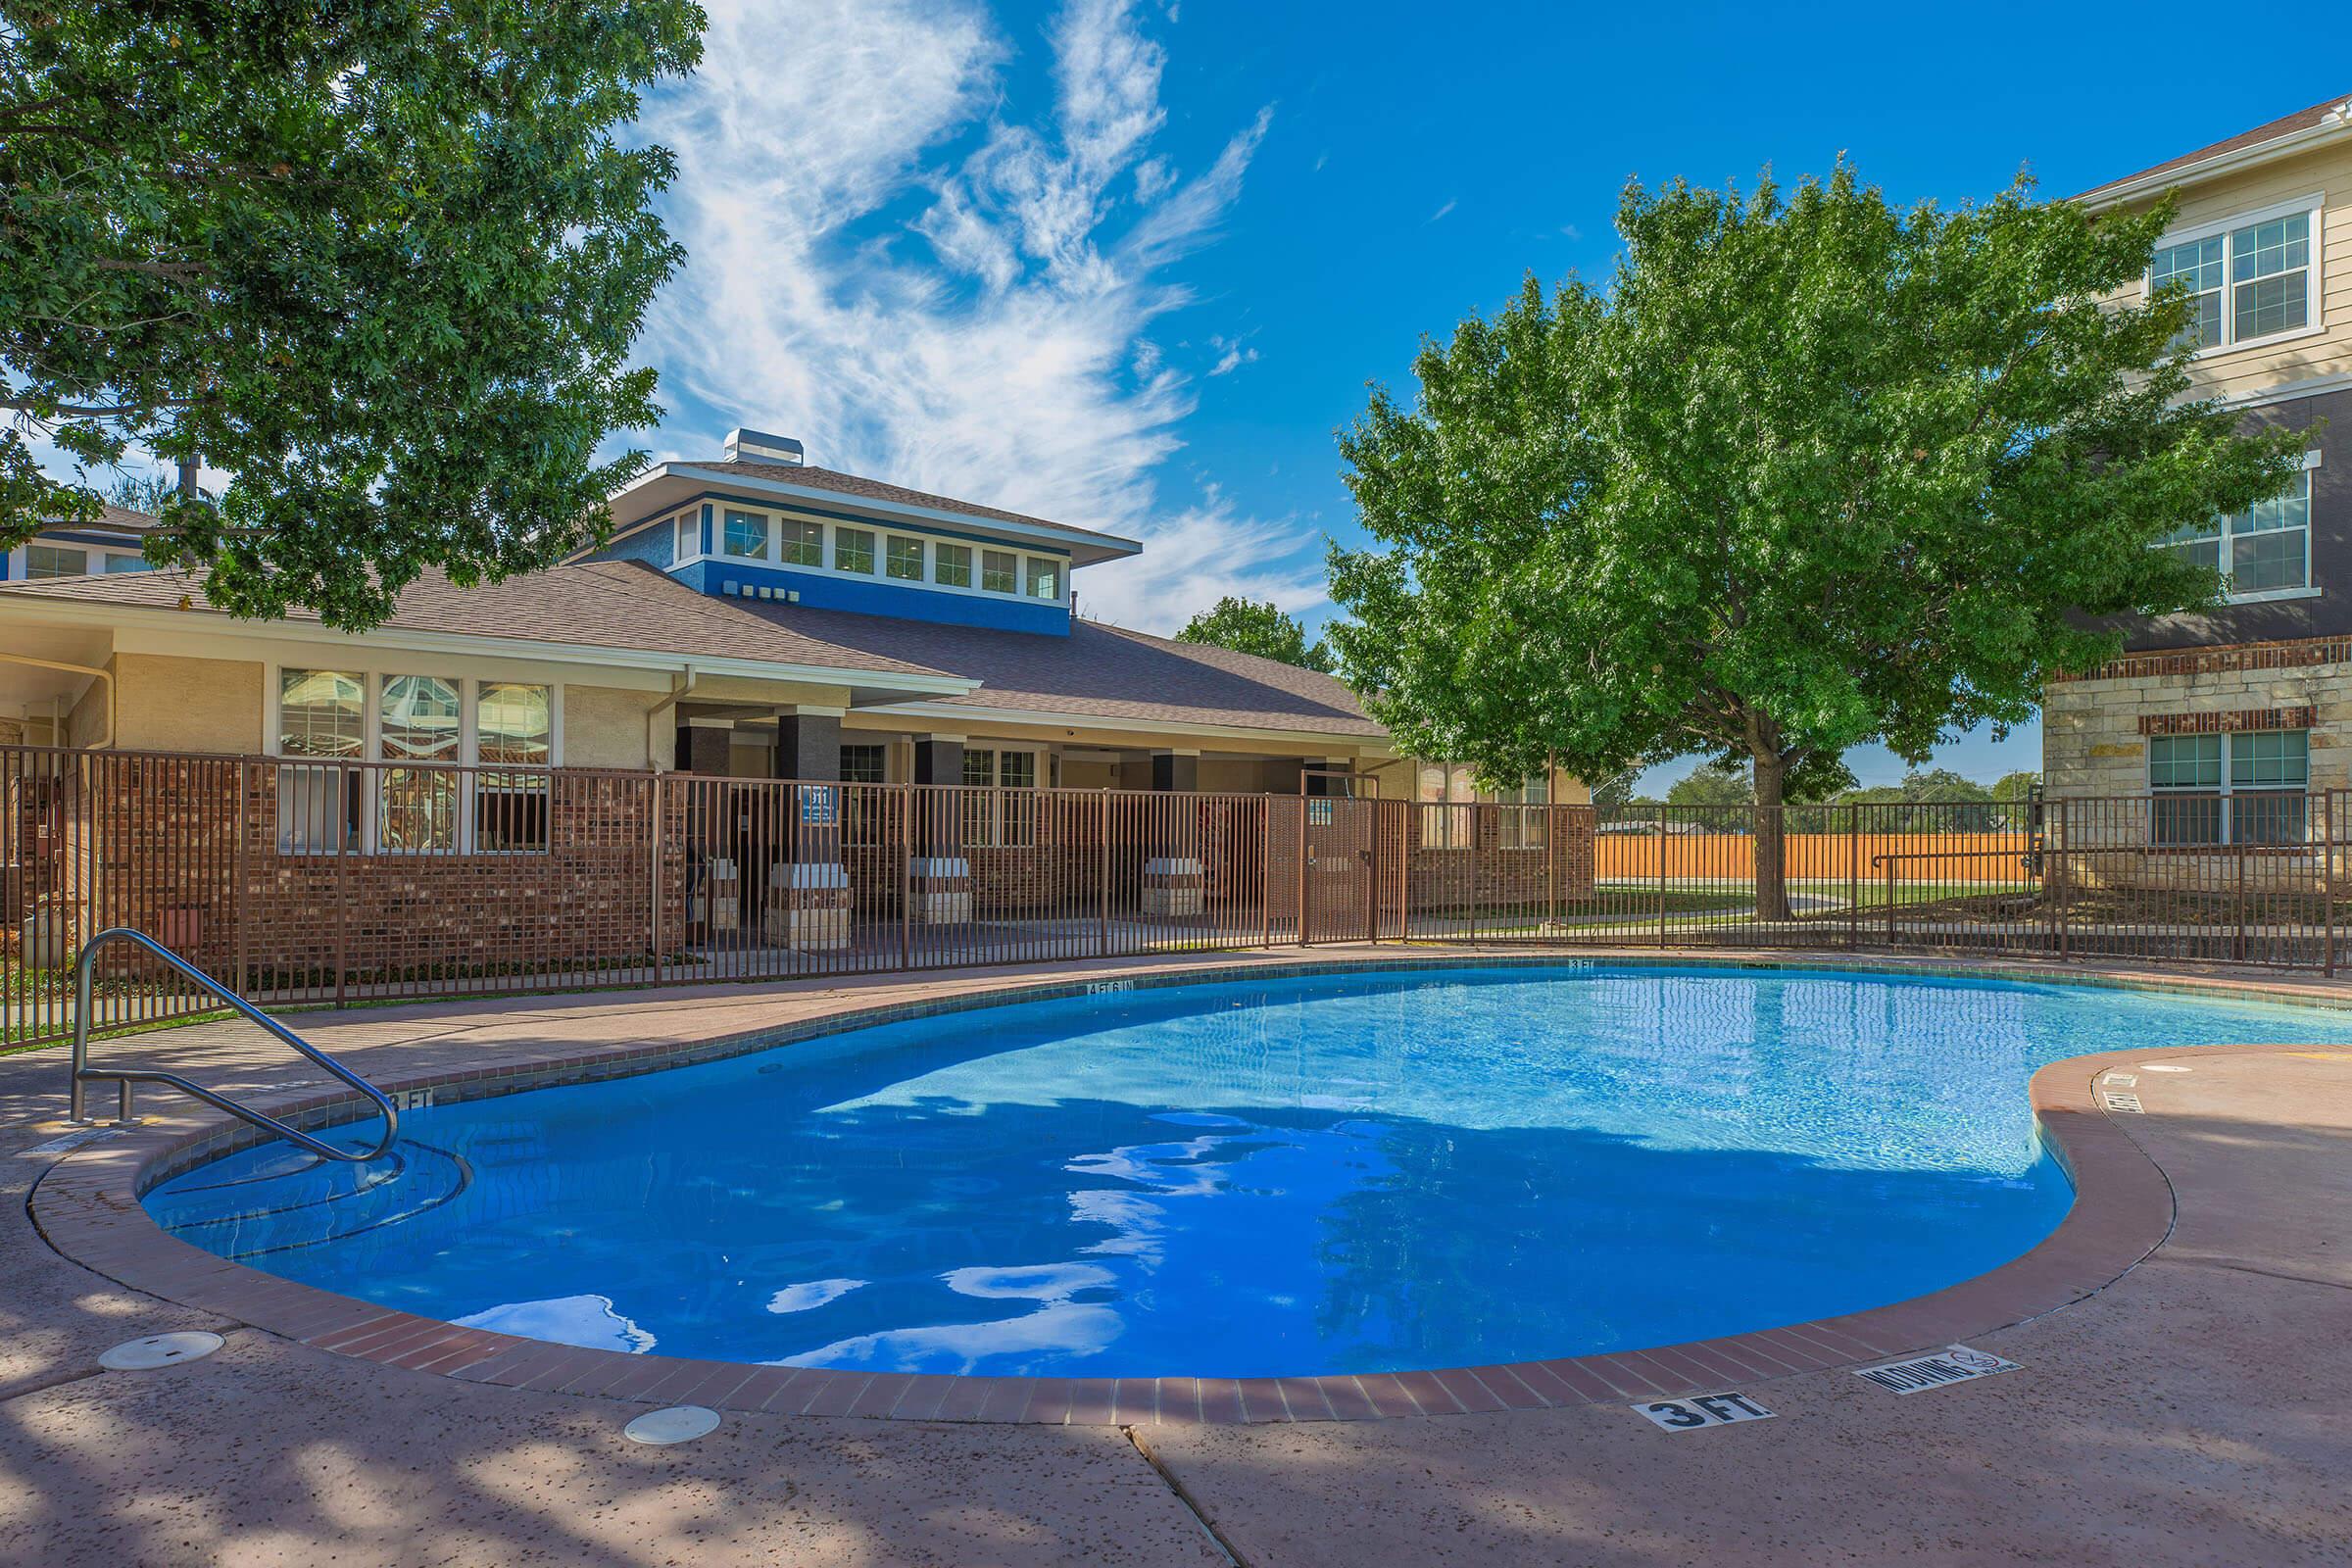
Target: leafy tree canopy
x=382 y=264
x=1813 y=471
x=1251 y=626
x=1715 y=784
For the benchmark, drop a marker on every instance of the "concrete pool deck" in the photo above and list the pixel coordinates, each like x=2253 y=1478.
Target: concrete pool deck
x=2193 y=1410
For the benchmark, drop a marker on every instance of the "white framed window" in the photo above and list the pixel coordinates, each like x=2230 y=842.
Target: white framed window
x=2246 y=787
x=904 y=560
x=436 y=746
x=122 y=563
x=952 y=566
x=854 y=551
x=686 y=536
x=55 y=561
x=745 y=536
x=999 y=570
x=804 y=543
x=1000 y=816
x=2253 y=278
x=1447 y=790
x=1042 y=579
x=2262 y=553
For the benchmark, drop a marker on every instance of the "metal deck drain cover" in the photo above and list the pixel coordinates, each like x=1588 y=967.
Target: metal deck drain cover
x=679 y=1423
x=161 y=1350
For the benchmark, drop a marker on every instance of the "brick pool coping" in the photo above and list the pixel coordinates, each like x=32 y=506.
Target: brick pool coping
x=87 y=1205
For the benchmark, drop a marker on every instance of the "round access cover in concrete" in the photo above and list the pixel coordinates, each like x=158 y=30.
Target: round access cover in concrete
x=159 y=1350
x=679 y=1423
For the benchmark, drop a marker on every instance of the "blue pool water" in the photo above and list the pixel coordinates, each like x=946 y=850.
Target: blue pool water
x=1319 y=1174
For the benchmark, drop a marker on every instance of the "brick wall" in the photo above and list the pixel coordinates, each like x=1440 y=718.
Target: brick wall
x=2094 y=730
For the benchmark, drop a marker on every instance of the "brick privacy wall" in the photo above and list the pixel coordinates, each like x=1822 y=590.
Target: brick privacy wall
x=178 y=848
x=1495 y=878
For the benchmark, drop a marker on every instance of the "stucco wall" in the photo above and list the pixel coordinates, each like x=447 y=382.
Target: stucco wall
x=186 y=705
x=605 y=727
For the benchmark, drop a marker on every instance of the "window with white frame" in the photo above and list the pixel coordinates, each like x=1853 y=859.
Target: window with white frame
x=419 y=731
x=804 y=543
x=122 y=563
x=952 y=566
x=998 y=572
x=2246 y=787
x=321 y=713
x=685 y=536
x=1447 y=791
x=905 y=559
x=2261 y=551
x=854 y=550
x=515 y=727
x=1044 y=580
x=2250 y=279
x=55 y=561
x=995 y=812
x=745 y=535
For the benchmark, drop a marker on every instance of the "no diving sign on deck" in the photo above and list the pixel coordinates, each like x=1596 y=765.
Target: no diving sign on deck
x=1954 y=1363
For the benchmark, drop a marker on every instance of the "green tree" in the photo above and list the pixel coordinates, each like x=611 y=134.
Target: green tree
x=1249 y=626
x=149 y=493
x=1715 y=784
x=383 y=263
x=1812 y=472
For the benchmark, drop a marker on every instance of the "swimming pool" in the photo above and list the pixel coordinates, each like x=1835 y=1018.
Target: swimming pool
x=1338 y=1172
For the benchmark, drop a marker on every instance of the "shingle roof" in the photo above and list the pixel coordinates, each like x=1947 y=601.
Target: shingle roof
x=595 y=604
x=121 y=518
x=1104 y=673
x=1098 y=670
x=851 y=484
x=2284 y=126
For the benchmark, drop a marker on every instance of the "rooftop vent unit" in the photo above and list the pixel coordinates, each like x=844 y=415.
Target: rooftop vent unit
x=758 y=445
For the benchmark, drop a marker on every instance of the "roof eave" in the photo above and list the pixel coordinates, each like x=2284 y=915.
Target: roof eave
x=1085 y=546
x=2236 y=160
x=74 y=613
x=977 y=713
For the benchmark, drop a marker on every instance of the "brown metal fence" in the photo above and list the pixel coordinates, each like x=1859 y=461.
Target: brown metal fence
x=313 y=880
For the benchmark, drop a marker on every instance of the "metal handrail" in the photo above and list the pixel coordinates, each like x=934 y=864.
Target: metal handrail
x=83 y=1072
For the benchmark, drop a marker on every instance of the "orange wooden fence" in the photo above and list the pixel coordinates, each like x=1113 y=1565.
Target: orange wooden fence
x=1987 y=857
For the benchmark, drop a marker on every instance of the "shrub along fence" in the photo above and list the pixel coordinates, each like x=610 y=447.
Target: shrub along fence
x=323 y=880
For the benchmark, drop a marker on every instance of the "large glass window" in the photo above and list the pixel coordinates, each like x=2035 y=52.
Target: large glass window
x=321 y=713
x=419 y=718
x=514 y=726
x=2264 y=550
x=854 y=550
x=997 y=569
x=804 y=543
x=747 y=535
x=1001 y=815
x=953 y=564
x=116 y=563
x=2242 y=788
x=906 y=560
x=1045 y=578
x=1447 y=791
x=686 y=542
x=55 y=561
x=2250 y=283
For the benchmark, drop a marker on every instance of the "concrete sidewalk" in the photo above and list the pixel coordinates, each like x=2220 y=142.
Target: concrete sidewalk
x=2199 y=1410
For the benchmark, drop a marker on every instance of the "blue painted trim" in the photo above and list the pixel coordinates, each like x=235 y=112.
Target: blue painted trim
x=880 y=597
x=111 y=541
x=706 y=528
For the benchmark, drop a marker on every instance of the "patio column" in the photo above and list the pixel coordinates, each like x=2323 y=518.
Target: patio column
x=704 y=744
x=809 y=903
x=939 y=873
x=1179 y=771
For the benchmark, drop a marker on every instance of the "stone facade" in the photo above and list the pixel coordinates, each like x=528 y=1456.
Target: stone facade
x=2094 y=730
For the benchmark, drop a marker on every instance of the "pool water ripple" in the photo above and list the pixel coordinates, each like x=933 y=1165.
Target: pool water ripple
x=1324 y=1173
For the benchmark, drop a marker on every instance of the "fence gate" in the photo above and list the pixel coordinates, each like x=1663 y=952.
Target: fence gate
x=1343 y=874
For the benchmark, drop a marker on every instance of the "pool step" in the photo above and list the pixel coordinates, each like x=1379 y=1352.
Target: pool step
x=300 y=1200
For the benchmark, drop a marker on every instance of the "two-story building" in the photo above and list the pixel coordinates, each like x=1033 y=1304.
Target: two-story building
x=2255 y=695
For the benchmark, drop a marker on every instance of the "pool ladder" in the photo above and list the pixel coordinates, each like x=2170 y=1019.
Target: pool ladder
x=126 y=1077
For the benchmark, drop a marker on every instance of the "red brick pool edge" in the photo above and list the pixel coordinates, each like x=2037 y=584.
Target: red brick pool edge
x=87 y=1207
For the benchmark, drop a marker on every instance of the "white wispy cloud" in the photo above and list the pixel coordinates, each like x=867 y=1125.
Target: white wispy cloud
x=1232 y=355
x=1442 y=212
x=933 y=283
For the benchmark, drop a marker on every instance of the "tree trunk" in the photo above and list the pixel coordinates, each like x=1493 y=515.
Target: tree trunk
x=1772 y=842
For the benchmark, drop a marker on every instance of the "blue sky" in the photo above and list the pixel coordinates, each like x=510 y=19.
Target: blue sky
x=1129 y=265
